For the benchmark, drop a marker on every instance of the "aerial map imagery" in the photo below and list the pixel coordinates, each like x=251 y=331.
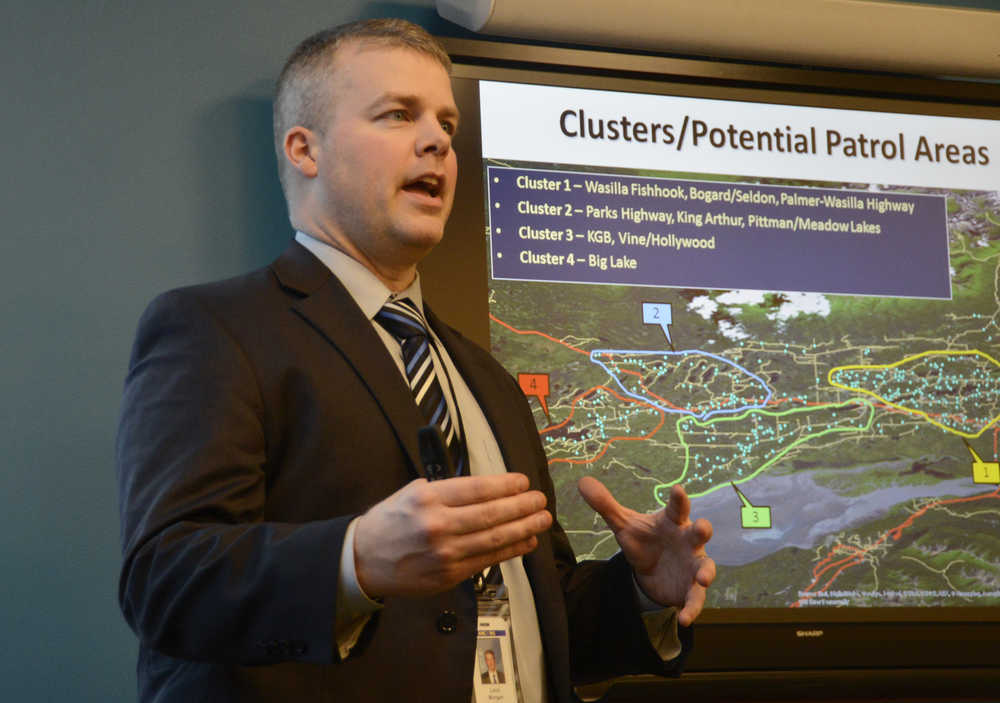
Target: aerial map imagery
x=817 y=363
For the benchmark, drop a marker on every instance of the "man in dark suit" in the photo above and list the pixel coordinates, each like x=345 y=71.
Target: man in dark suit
x=281 y=541
x=492 y=674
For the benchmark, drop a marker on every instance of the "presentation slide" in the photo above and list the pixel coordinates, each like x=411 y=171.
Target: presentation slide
x=792 y=311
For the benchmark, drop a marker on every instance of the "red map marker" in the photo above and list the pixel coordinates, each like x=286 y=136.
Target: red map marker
x=536 y=384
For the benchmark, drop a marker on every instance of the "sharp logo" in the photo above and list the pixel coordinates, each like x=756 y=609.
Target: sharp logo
x=809 y=633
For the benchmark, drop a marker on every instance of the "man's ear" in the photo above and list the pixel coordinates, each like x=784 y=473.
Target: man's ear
x=301 y=149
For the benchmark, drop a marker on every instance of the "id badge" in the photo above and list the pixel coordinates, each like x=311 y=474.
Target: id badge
x=494 y=677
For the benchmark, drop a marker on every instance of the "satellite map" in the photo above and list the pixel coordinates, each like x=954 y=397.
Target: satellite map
x=844 y=447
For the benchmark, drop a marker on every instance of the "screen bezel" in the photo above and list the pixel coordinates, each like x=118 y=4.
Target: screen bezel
x=803 y=639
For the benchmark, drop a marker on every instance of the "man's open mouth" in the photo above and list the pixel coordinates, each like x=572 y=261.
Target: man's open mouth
x=431 y=185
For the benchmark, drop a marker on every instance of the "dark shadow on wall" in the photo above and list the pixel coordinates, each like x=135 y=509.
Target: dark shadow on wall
x=240 y=189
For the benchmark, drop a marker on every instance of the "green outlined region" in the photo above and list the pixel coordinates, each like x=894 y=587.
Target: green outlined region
x=737 y=448
x=956 y=390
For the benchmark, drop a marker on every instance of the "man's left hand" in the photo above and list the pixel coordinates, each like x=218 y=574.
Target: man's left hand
x=666 y=550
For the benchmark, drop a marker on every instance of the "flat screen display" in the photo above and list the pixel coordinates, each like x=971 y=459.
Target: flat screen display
x=781 y=293
x=789 y=310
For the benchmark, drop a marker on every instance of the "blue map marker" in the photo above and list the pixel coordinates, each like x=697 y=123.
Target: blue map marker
x=659 y=314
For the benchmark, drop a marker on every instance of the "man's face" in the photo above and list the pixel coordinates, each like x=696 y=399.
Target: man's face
x=386 y=170
x=491 y=662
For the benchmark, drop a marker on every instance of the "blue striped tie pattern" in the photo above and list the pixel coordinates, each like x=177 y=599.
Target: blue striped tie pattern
x=403 y=320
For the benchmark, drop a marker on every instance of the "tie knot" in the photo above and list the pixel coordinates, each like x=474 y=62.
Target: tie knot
x=402 y=319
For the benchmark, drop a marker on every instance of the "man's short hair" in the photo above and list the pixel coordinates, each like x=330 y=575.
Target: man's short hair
x=302 y=92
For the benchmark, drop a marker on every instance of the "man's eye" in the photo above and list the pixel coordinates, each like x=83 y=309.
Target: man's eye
x=398 y=115
x=448 y=127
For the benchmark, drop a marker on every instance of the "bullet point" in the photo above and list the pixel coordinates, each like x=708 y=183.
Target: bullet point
x=496 y=204
x=499 y=254
x=495 y=179
x=498 y=230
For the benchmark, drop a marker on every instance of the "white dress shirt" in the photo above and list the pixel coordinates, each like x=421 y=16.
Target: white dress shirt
x=354 y=608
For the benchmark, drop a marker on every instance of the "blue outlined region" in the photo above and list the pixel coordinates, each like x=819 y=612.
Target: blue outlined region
x=732 y=400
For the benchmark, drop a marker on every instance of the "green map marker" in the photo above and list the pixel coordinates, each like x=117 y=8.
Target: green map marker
x=752 y=516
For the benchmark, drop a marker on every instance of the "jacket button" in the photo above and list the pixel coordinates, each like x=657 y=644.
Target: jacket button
x=447 y=622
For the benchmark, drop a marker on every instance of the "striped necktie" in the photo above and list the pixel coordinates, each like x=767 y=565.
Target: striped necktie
x=403 y=320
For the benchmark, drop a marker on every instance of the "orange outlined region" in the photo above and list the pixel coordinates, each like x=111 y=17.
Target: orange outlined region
x=610 y=440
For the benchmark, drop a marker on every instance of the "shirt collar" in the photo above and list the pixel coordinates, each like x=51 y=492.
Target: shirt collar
x=364 y=286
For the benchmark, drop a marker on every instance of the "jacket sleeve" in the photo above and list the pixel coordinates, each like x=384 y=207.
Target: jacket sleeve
x=608 y=637
x=205 y=575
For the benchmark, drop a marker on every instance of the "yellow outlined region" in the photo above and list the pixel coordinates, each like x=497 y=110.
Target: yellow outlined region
x=915 y=411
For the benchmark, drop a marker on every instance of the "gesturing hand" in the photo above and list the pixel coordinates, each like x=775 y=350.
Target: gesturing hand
x=429 y=536
x=666 y=550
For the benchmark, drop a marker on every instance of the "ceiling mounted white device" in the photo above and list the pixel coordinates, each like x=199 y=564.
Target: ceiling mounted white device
x=903 y=37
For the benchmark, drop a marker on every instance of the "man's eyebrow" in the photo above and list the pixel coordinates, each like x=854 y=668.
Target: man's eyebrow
x=409 y=100
x=404 y=98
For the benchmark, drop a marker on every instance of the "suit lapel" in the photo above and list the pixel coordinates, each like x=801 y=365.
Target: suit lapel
x=328 y=308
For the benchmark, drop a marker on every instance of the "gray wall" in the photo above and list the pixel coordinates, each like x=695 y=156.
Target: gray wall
x=136 y=158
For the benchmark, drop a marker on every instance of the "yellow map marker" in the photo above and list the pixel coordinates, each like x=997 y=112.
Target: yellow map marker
x=752 y=516
x=983 y=471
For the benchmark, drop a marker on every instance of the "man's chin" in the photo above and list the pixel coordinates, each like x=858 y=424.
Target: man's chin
x=422 y=238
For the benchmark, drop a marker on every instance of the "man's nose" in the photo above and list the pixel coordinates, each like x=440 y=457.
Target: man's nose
x=433 y=138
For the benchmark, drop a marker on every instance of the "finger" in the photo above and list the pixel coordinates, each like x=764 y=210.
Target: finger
x=494 y=542
x=480 y=516
x=701 y=533
x=470 y=490
x=706 y=572
x=693 y=605
x=473 y=565
x=678 y=508
x=600 y=499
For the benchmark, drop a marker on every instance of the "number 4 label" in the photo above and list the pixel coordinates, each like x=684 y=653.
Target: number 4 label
x=536 y=384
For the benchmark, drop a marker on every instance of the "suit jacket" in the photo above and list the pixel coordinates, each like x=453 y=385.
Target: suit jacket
x=485 y=677
x=260 y=415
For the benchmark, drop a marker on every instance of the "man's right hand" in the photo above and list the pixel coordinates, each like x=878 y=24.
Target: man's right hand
x=429 y=536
